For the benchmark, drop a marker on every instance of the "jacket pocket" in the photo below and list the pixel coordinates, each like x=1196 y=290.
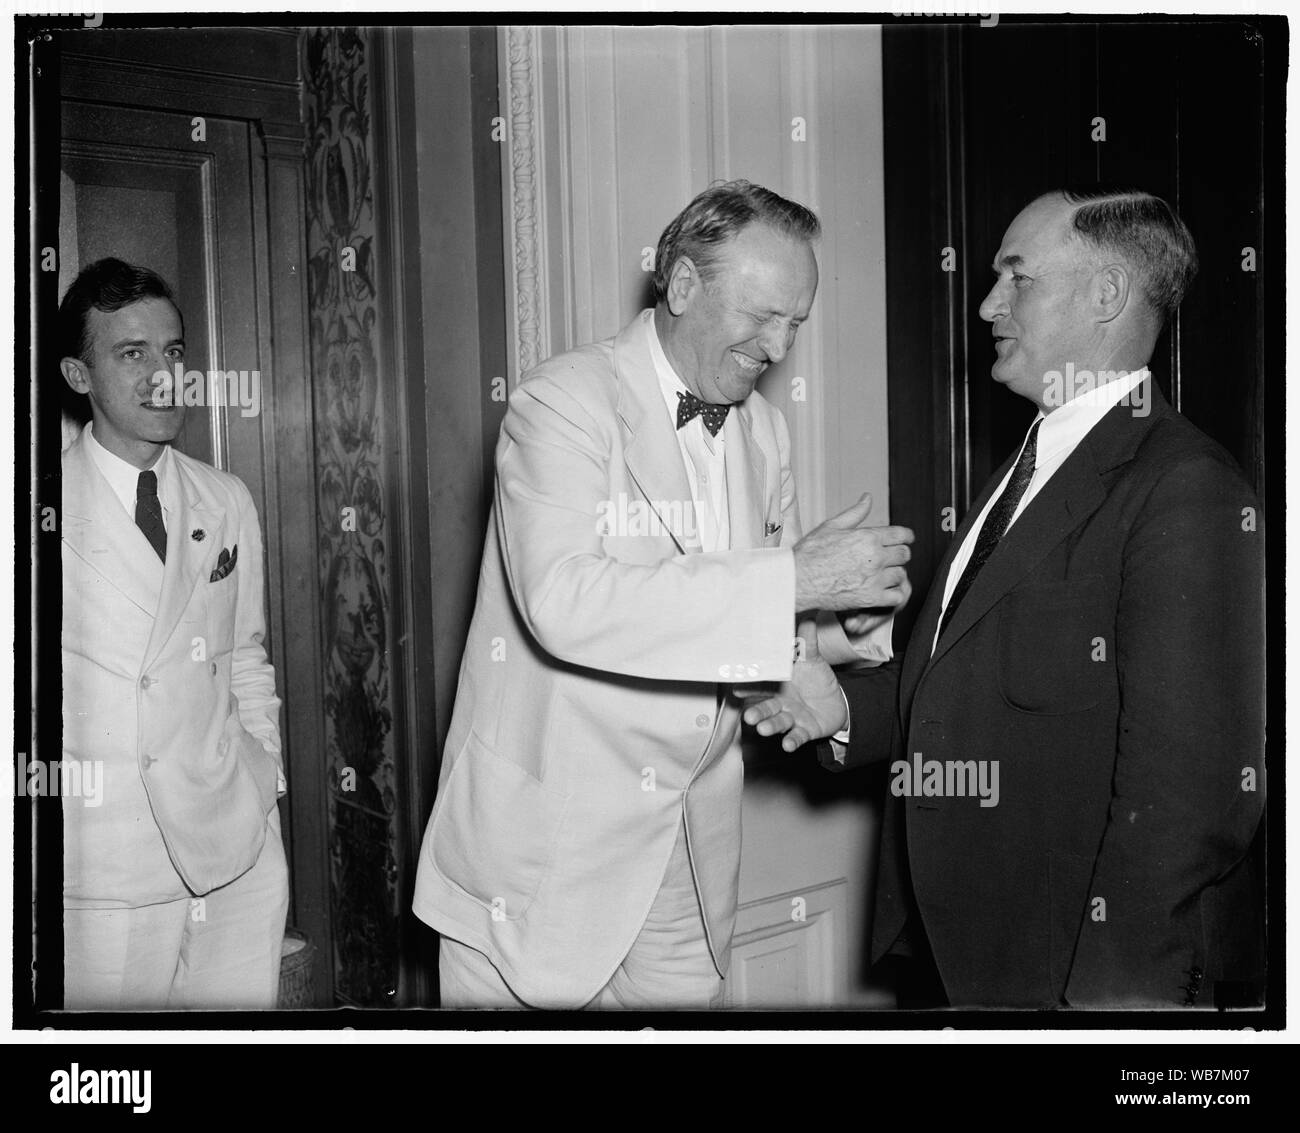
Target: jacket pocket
x=219 y=600
x=261 y=765
x=496 y=830
x=213 y=815
x=1056 y=649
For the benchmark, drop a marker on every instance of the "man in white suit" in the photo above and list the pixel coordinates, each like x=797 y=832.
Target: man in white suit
x=643 y=565
x=175 y=887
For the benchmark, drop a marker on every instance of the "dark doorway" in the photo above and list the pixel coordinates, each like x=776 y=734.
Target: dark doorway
x=978 y=121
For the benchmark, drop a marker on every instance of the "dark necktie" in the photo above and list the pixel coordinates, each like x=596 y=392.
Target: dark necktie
x=689 y=407
x=995 y=523
x=148 y=513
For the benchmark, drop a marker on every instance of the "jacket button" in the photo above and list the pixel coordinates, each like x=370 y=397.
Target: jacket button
x=702 y=721
x=145 y=682
x=148 y=761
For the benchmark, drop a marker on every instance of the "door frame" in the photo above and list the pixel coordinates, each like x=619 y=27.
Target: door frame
x=259 y=85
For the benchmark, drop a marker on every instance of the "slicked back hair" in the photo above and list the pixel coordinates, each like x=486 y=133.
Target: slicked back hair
x=106 y=285
x=719 y=214
x=1146 y=233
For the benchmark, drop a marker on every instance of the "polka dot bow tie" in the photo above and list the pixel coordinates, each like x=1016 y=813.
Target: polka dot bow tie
x=689 y=407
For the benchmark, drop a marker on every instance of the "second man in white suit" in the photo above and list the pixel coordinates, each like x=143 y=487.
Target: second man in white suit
x=175 y=885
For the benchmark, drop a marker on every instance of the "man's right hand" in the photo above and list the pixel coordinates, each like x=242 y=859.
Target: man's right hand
x=844 y=565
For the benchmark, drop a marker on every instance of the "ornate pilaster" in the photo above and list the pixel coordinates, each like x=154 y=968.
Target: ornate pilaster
x=524 y=199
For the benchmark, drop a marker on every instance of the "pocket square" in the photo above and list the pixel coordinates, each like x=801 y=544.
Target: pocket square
x=771 y=528
x=225 y=563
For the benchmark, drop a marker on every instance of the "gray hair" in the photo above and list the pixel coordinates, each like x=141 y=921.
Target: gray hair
x=1146 y=232
x=718 y=215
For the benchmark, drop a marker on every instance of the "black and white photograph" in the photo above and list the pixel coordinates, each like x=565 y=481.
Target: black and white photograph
x=739 y=522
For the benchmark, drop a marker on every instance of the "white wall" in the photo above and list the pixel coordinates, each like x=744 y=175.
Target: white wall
x=609 y=132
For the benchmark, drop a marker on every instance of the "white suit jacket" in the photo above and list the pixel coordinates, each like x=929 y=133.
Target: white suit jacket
x=594 y=711
x=167 y=685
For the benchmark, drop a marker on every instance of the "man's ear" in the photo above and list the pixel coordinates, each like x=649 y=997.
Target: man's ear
x=1112 y=290
x=683 y=284
x=74 y=372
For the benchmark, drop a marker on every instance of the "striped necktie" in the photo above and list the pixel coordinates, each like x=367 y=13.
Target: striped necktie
x=996 y=522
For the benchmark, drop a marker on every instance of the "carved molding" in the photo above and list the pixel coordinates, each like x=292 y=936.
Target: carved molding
x=196 y=87
x=354 y=464
x=524 y=198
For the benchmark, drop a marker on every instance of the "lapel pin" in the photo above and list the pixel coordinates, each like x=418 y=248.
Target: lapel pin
x=197 y=534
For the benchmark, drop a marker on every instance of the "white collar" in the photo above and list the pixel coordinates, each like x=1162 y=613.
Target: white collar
x=669 y=382
x=1063 y=428
x=124 y=478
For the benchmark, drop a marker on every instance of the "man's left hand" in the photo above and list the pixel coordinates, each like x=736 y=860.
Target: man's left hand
x=809 y=706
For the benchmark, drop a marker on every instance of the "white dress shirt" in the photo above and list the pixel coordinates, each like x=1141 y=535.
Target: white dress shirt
x=124 y=478
x=1058 y=436
x=703 y=455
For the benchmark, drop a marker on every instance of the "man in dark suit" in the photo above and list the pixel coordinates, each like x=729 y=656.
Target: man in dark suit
x=1077 y=723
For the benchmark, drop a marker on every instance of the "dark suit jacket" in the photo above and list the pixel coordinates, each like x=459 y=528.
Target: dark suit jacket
x=1109 y=657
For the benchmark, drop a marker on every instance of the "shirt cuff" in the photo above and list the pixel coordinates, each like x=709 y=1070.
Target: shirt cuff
x=840 y=740
x=865 y=650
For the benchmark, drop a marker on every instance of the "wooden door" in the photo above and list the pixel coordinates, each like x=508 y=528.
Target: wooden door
x=980 y=121
x=137 y=184
x=182 y=151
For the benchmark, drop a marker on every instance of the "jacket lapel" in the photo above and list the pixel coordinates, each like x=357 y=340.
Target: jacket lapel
x=1067 y=499
x=917 y=656
x=653 y=457
x=186 y=558
x=97 y=530
x=746 y=472
x=1073 y=493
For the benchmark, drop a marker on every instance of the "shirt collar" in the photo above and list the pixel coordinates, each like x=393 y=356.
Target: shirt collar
x=669 y=382
x=124 y=478
x=1063 y=428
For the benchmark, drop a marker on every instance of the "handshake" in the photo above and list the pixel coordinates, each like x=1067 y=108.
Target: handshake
x=845 y=566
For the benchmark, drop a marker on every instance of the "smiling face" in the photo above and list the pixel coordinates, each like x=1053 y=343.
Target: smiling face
x=721 y=335
x=128 y=347
x=1040 y=306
